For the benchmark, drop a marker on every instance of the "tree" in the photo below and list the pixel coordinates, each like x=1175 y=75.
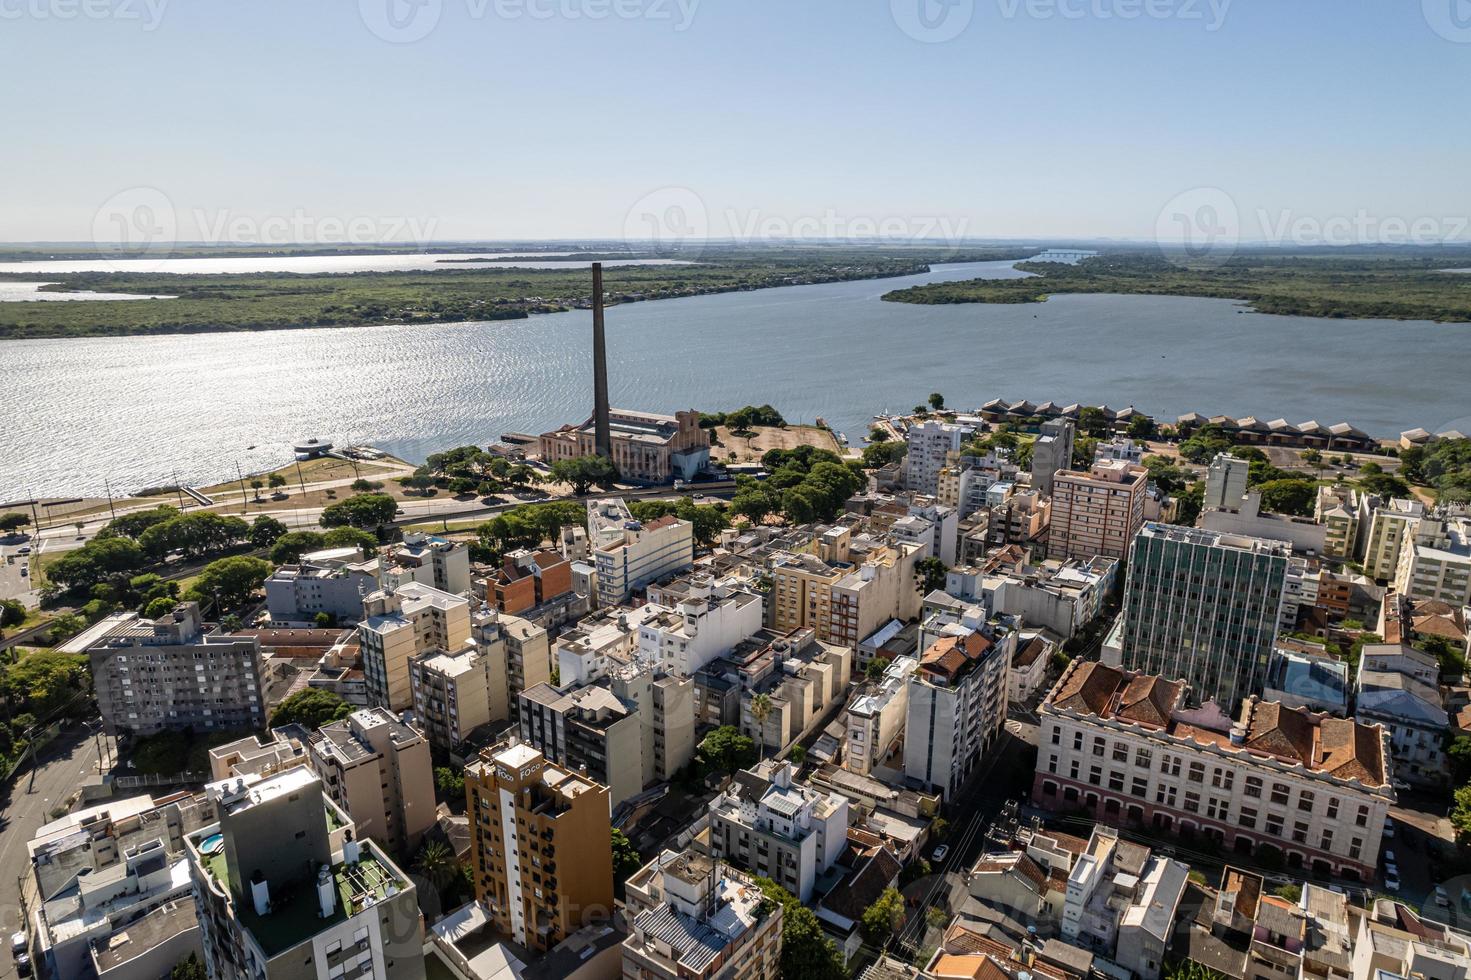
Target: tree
x=13 y=521
x=289 y=547
x=876 y=667
x=1141 y=427
x=932 y=574
x=257 y=484
x=584 y=471
x=1092 y=421
x=881 y=454
x=276 y=480
x=1385 y=485
x=64 y=627
x=885 y=917
x=189 y=969
x=1296 y=498
x=134 y=524
x=450 y=782
x=798 y=755
x=232 y=580
x=12 y=612
x=437 y=863
x=1293 y=893
x=159 y=607
x=44 y=682
x=877 y=435
x=351 y=537
x=324 y=620
x=364 y=510
x=1188 y=504
x=1191 y=970
x=266 y=531
x=761 y=710
x=1208 y=442
x=1458 y=754
x=361 y=485
x=937 y=401
x=1311 y=456
x=1461 y=812
x=311 y=708
x=96 y=560
x=626 y=859
x=727 y=749
x=806 y=952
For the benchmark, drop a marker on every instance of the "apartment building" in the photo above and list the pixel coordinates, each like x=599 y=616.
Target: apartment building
x=1063 y=597
x=647 y=448
x=377 y=769
x=589 y=730
x=427 y=559
x=966 y=481
x=1097 y=512
x=587 y=651
x=1435 y=562
x=694 y=918
x=171 y=674
x=1122 y=746
x=112 y=892
x=1022 y=518
x=285 y=890
x=1232 y=509
x=332 y=582
x=799 y=677
x=1204 y=606
x=527 y=580
x=1121 y=902
x=1052 y=452
x=1393 y=523
x=457 y=693
x=398 y=625
x=1398 y=687
x=876 y=717
x=540 y=846
x=1345 y=514
x=772 y=826
x=1393 y=941
x=629 y=555
x=929 y=443
x=707 y=623
x=957 y=701
x=848 y=596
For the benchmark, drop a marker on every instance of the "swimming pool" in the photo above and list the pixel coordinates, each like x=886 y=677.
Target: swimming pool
x=212 y=845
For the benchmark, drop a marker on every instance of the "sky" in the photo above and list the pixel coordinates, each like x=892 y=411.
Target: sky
x=369 y=120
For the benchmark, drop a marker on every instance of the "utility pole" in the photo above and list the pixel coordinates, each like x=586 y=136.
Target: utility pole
x=244 y=502
x=108 y=487
x=178 y=490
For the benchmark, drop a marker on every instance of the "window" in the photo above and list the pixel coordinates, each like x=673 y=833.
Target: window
x=1097 y=746
x=1254 y=786
x=1078 y=741
x=1355 y=848
x=1327 y=842
x=1274 y=825
x=1305 y=801
x=1056 y=736
x=1095 y=775
x=1247 y=818
x=1197 y=772
x=1362 y=820
x=1143 y=758
x=1223 y=778
x=1332 y=808
x=1279 y=794
x=1192 y=802
x=1140 y=787
x=1116 y=781
x=1120 y=752
x=1218 y=809
x=1299 y=832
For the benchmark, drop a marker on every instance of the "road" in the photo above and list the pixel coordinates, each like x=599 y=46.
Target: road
x=15 y=572
x=65 y=764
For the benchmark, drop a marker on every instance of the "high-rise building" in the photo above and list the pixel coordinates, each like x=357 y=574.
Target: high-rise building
x=445 y=564
x=589 y=730
x=1392 y=525
x=929 y=442
x=170 y=674
x=540 y=846
x=285 y=890
x=378 y=769
x=630 y=554
x=398 y=625
x=1098 y=512
x=1052 y=451
x=1435 y=563
x=694 y=918
x=529 y=579
x=1205 y=607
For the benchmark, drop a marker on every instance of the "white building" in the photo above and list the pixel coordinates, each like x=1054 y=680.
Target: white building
x=957 y=702
x=400 y=624
x=1122 y=747
x=707 y=623
x=929 y=443
x=1393 y=524
x=629 y=554
x=1435 y=563
x=876 y=717
x=772 y=826
x=332 y=582
x=603 y=640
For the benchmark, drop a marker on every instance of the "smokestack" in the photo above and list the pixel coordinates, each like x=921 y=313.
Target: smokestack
x=602 y=433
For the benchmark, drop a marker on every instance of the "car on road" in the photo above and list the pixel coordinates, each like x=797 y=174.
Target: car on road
x=18 y=943
x=940 y=853
x=23 y=964
x=1389 y=858
x=1391 y=880
x=1388 y=829
x=1441 y=898
x=24 y=549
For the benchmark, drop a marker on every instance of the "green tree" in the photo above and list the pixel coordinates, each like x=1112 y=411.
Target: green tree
x=584 y=471
x=626 y=859
x=13 y=521
x=351 y=537
x=1293 y=893
x=450 y=782
x=96 y=560
x=437 y=863
x=12 y=612
x=1191 y=970
x=266 y=531
x=881 y=454
x=1461 y=813
x=366 y=510
x=133 y=525
x=1208 y=442
x=1311 y=456
x=727 y=750
x=761 y=707
x=798 y=755
x=1385 y=485
x=311 y=708
x=1141 y=427
x=159 y=607
x=1296 y=498
x=876 y=667
x=1458 y=754
x=806 y=952
x=64 y=627
x=232 y=580
x=276 y=480
x=876 y=435
x=324 y=620
x=931 y=572
x=189 y=969
x=885 y=917
x=1092 y=422
x=44 y=681
x=289 y=547
x=937 y=401
x=1188 y=504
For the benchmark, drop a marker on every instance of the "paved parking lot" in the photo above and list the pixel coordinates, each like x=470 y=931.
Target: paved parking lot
x=15 y=581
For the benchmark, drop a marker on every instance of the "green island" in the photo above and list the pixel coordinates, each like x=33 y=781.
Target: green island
x=276 y=301
x=1369 y=286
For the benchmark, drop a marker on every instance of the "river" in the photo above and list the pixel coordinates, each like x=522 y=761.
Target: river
x=137 y=410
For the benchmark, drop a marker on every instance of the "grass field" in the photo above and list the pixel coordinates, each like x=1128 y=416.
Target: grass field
x=1396 y=289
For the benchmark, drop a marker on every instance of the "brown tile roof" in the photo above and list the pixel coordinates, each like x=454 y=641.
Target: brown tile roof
x=861 y=888
x=1087 y=688
x=960 y=939
x=950 y=654
x=1352 y=751
x=1030 y=652
x=1340 y=747
x=1149 y=700
x=1281 y=731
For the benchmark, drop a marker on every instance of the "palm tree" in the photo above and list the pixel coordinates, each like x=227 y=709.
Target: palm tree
x=760 y=711
x=437 y=863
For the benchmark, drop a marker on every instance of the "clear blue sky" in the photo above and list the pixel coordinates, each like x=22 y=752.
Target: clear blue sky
x=498 y=124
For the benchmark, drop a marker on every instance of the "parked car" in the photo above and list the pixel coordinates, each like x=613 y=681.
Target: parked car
x=940 y=853
x=1441 y=898
x=1400 y=785
x=1391 y=880
x=24 y=549
x=1389 y=858
x=23 y=964
x=18 y=943
x=1388 y=829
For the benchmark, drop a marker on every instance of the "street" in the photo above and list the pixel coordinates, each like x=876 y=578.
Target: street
x=65 y=764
